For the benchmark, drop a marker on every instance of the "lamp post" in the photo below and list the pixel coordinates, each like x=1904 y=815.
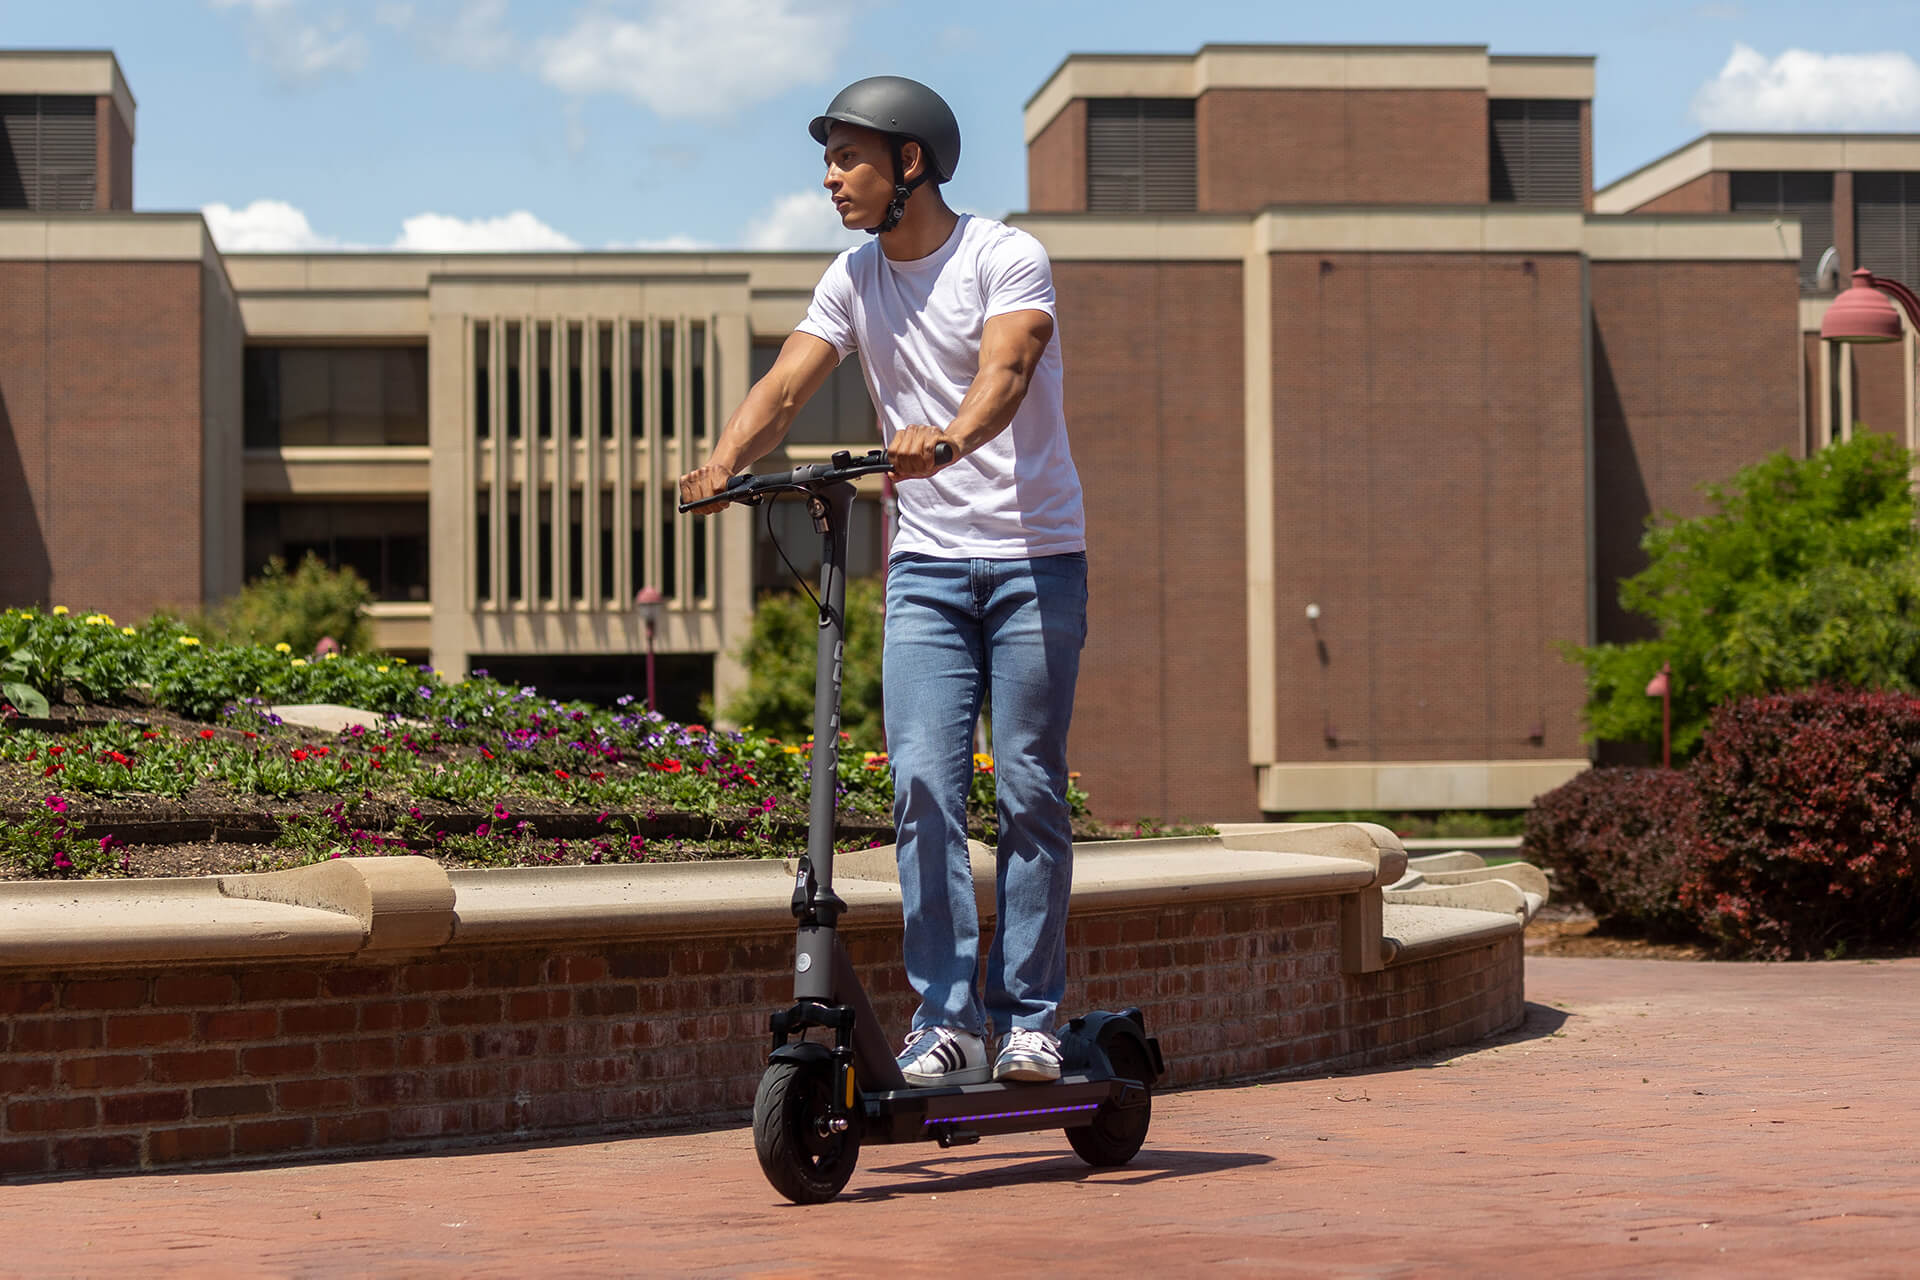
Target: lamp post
x=650 y=602
x=1661 y=687
x=1863 y=314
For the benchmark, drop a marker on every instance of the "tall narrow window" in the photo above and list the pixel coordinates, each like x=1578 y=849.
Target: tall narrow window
x=1533 y=152
x=666 y=379
x=638 y=543
x=698 y=410
x=1886 y=223
x=606 y=545
x=669 y=568
x=637 y=375
x=604 y=350
x=515 y=588
x=575 y=388
x=483 y=547
x=576 y=568
x=1806 y=196
x=544 y=551
x=543 y=412
x=699 y=548
x=1140 y=155
x=482 y=385
x=512 y=389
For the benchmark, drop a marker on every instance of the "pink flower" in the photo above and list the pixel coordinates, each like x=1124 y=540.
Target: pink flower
x=483 y=828
x=57 y=803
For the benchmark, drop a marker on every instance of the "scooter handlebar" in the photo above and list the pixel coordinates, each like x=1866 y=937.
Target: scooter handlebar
x=843 y=466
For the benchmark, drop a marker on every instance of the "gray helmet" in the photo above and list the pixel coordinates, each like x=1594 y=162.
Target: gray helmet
x=901 y=107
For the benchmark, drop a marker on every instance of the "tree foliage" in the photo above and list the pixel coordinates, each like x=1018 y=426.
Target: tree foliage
x=1803 y=574
x=298 y=608
x=779 y=657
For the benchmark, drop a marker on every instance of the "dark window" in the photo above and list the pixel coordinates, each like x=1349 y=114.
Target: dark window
x=793 y=529
x=697 y=378
x=575 y=389
x=336 y=396
x=483 y=547
x=1806 y=196
x=1886 y=224
x=841 y=411
x=510 y=388
x=482 y=385
x=543 y=412
x=666 y=382
x=605 y=352
x=1140 y=155
x=47 y=152
x=1533 y=152
x=384 y=542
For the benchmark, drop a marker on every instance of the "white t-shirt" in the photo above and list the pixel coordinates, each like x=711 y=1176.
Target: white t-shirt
x=917 y=326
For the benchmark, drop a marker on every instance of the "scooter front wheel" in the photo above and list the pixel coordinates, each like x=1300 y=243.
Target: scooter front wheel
x=802 y=1156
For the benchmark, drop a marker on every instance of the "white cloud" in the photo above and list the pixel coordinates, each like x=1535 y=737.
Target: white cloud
x=515 y=232
x=1812 y=91
x=689 y=58
x=803 y=220
x=265 y=226
x=274 y=226
x=297 y=51
x=672 y=244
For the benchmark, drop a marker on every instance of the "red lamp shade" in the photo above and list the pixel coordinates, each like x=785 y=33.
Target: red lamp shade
x=1861 y=314
x=1659 y=685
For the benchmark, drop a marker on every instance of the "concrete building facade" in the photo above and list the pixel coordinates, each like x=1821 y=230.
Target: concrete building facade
x=1371 y=394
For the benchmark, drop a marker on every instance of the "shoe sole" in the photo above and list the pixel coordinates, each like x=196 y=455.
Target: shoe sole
x=1027 y=1073
x=966 y=1075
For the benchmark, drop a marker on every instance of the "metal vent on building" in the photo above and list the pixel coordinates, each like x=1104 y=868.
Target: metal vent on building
x=1140 y=155
x=1806 y=196
x=47 y=154
x=1533 y=152
x=1886 y=224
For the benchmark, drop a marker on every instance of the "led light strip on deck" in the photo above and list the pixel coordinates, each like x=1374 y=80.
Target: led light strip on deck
x=1010 y=1115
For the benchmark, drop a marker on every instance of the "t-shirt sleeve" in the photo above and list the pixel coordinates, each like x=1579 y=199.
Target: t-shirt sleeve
x=1018 y=276
x=830 y=314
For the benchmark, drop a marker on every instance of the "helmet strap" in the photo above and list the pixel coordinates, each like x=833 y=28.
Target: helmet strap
x=902 y=188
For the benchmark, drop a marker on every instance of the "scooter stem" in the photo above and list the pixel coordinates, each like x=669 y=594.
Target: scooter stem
x=815 y=902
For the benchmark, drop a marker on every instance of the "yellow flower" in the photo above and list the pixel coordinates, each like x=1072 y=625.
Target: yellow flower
x=381 y=670
x=299 y=662
x=128 y=631
x=59 y=609
x=982 y=761
x=97 y=620
x=401 y=661
x=283 y=647
x=792 y=750
x=189 y=639
x=331 y=655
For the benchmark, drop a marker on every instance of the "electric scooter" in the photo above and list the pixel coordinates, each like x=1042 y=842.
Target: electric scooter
x=819 y=1102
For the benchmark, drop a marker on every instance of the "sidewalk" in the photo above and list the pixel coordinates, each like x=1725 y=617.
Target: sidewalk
x=1651 y=1118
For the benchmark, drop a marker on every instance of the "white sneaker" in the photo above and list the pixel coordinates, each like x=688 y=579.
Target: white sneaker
x=942 y=1056
x=1028 y=1056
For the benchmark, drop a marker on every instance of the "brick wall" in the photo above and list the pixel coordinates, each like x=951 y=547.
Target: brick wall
x=151 y=1069
x=100 y=432
x=1057 y=163
x=1155 y=401
x=113 y=161
x=1257 y=147
x=1708 y=193
x=1695 y=374
x=1429 y=496
x=1880 y=388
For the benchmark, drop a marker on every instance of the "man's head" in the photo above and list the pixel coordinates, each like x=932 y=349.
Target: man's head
x=885 y=137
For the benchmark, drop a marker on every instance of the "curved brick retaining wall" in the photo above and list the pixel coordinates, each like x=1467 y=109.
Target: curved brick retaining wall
x=627 y=1001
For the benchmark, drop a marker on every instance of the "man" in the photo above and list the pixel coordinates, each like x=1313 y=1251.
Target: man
x=952 y=317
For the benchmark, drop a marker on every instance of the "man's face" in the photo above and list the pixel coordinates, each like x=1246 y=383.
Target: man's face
x=860 y=174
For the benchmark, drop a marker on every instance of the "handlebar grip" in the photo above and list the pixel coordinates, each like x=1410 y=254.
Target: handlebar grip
x=943 y=453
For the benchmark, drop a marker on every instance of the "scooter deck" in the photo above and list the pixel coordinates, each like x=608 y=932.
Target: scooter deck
x=961 y=1113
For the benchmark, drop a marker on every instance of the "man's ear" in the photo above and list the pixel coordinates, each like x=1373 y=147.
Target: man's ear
x=913 y=158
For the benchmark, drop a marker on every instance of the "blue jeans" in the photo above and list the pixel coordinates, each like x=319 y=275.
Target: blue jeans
x=958 y=630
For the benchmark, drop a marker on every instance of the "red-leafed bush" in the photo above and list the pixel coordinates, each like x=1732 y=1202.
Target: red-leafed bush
x=1615 y=841
x=1808 y=824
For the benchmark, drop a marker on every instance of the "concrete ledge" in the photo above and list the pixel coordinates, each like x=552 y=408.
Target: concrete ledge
x=117 y=922
x=401 y=902
x=1425 y=932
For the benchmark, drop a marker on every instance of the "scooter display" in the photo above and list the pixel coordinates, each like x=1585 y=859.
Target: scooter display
x=821 y=1099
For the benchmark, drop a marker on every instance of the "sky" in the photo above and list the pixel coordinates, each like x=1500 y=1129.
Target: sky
x=447 y=125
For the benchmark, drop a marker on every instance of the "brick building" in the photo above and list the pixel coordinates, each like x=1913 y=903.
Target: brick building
x=1371 y=394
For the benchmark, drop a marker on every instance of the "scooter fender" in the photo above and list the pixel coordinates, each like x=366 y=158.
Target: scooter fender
x=1100 y=1028
x=802 y=1051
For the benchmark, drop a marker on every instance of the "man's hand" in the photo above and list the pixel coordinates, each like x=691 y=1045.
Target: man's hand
x=911 y=452
x=704 y=482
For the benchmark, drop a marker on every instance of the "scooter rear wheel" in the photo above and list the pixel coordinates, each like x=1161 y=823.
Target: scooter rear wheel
x=1116 y=1133
x=802 y=1157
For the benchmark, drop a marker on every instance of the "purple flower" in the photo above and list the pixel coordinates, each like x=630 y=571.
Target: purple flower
x=483 y=828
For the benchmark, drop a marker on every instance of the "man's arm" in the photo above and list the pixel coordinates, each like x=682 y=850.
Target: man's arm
x=760 y=423
x=1010 y=349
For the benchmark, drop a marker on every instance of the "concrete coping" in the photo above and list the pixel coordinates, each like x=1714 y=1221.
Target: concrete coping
x=1410 y=932
x=348 y=906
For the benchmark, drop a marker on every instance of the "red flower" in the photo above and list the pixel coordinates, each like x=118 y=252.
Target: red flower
x=488 y=754
x=668 y=766
x=346 y=764
x=148 y=733
x=748 y=779
x=597 y=777
x=206 y=733
x=561 y=774
x=320 y=751
x=299 y=753
x=118 y=758
x=250 y=733
x=51 y=769
x=52 y=751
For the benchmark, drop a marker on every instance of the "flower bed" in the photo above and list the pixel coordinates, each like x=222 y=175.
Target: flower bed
x=477 y=772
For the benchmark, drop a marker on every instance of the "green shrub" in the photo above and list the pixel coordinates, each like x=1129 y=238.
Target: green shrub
x=1803 y=574
x=298 y=608
x=779 y=658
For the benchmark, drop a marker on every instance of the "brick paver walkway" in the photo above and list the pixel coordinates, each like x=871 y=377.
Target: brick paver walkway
x=1651 y=1119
